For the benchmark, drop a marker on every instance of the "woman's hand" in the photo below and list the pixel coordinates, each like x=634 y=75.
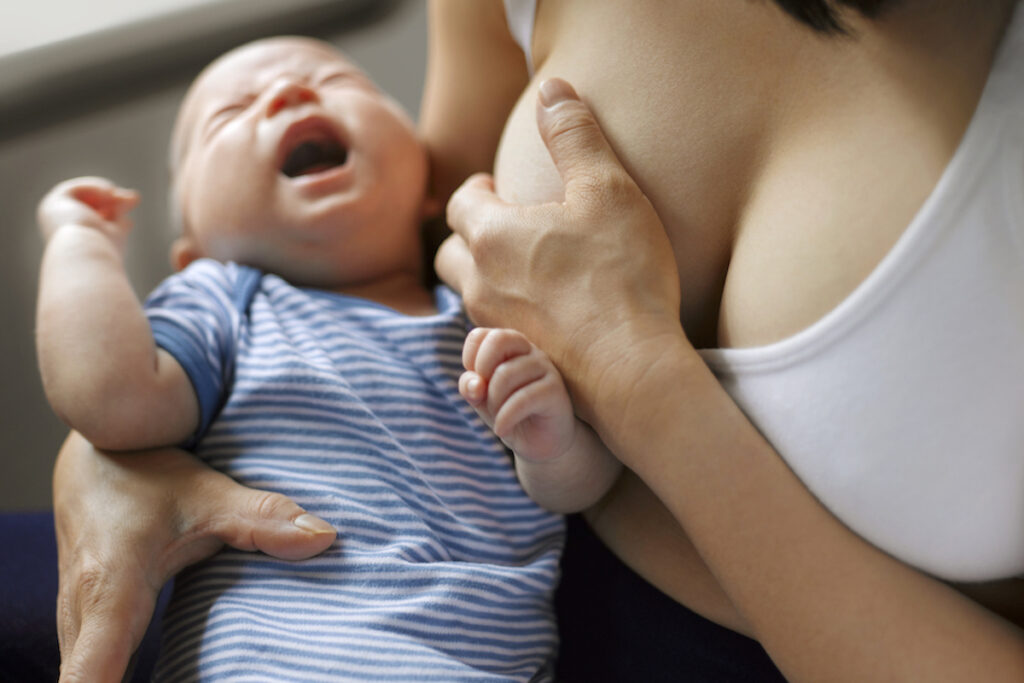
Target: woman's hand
x=128 y=522
x=584 y=278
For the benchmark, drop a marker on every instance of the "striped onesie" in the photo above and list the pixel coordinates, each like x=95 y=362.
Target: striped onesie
x=443 y=570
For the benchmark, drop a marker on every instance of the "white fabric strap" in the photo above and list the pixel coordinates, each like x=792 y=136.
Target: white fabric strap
x=519 y=15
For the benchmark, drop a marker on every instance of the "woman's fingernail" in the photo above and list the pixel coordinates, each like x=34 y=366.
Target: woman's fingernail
x=313 y=525
x=554 y=91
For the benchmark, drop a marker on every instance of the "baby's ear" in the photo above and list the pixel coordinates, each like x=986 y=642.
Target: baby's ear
x=183 y=252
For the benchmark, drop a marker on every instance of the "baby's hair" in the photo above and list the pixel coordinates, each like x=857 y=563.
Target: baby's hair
x=823 y=15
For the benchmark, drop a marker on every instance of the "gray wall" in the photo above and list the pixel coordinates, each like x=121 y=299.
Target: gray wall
x=124 y=140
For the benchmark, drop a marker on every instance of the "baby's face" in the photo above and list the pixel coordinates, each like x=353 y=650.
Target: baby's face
x=288 y=158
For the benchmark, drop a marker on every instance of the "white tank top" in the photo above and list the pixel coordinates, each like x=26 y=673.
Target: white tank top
x=903 y=409
x=519 y=15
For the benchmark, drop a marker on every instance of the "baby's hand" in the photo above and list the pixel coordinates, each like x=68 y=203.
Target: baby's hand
x=91 y=202
x=516 y=389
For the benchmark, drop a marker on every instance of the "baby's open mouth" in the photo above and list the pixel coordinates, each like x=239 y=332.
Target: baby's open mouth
x=311 y=147
x=313 y=156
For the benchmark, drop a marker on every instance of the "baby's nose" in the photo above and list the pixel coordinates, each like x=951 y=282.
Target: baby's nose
x=289 y=93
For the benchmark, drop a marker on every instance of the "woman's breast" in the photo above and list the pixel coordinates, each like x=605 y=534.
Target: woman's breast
x=691 y=146
x=689 y=124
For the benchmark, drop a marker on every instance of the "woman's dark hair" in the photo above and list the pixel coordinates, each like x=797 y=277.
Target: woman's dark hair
x=821 y=15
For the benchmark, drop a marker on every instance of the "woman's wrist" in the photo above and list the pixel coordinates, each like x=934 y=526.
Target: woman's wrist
x=625 y=379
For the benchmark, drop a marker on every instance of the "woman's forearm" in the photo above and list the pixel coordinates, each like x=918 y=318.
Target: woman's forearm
x=100 y=366
x=475 y=74
x=825 y=604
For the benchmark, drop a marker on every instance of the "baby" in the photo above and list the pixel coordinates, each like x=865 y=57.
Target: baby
x=298 y=350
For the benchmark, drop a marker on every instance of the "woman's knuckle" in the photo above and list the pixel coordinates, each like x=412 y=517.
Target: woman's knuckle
x=573 y=128
x=445 y=256
x=487 y=237
x=612 y=192
x=619 y=184
x=92 y=587
x=597 y=204
x=270 y=505
x=462 y=206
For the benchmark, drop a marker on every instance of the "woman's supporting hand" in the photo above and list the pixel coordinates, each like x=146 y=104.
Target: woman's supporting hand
x=584 y=279
x=126 y=523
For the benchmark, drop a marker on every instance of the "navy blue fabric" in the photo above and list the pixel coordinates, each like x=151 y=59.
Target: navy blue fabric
x=28 y=599
x=614 y=626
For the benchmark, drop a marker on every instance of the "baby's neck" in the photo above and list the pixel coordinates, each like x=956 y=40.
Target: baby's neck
x=403 y=292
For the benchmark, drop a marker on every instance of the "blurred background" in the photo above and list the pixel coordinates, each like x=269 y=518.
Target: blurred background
x=91 y=88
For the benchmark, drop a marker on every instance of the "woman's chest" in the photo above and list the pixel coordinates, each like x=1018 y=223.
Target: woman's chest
x=691 y=172
x=759 y=253
x=779 y=192
x=768 y=236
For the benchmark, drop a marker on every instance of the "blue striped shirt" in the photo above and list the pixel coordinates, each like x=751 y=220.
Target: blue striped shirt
x=443 y=570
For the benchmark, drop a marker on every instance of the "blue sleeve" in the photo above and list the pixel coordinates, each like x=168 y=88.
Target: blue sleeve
x=196 y=317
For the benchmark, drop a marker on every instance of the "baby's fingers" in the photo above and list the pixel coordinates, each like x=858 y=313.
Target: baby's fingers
x=514 y=375
x=57 y=210
x=108 y=200
x=473 y=387
x=542 y=398
x=496 y=364
x=485 y=349
x=92 y=202
x=471 y=346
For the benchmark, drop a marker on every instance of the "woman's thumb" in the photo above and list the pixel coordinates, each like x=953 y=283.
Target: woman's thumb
x=574 y=139
x=251 y=519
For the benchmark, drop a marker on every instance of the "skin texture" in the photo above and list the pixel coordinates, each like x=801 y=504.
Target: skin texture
x=755 y=226
x=729 y=153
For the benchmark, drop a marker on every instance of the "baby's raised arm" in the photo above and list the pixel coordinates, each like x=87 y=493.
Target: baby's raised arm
x=516 y=389
x=102 y=372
